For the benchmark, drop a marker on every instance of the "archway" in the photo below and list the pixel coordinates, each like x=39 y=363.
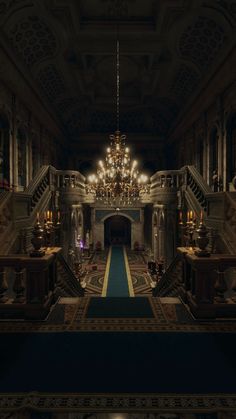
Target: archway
x=213 y=150
x=22 y=158
x=117 y=230
x=231 y=149
x=4 y=153
x=200 y=155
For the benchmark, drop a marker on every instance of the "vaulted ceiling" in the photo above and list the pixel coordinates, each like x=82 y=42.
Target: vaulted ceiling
x=166 y=48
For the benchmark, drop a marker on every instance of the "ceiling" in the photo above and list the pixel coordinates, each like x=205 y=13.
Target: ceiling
x=167 y=47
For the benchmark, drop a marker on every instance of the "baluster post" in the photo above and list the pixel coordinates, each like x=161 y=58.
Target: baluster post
x=3 y=285
x=19 y=285
x=220 y=286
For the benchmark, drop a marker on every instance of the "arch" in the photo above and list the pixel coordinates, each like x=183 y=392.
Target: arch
x=230 y=148
x=22 y=154
x=213 y=151
x=111 y=214
x=35 y=150
x=4 y=152
x=200 y=154
x=117 y=230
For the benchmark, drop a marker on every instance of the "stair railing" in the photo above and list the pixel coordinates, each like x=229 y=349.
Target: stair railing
x=198 y=186
x=72 y=284
x=168 y=281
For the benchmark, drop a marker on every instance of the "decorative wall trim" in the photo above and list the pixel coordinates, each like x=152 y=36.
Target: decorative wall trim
x=72 y=402
x=133 y=215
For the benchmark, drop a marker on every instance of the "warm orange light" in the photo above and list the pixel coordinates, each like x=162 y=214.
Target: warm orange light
x=201 y=216
x=188 y=215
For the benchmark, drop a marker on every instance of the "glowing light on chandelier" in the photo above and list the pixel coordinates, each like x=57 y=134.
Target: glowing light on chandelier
x=117 y=180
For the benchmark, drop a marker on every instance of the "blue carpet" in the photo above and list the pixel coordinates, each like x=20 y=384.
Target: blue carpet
x=117 y=279
x=138 y=307
x=122 y=362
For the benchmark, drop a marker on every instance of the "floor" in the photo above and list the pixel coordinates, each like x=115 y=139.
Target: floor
x=119 y=354
x=96 y=267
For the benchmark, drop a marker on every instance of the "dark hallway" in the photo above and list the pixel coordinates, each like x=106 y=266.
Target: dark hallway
x=117 y=230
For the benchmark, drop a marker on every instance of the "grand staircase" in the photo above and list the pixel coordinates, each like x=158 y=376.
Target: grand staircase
x=18 y=211
x=219 y=209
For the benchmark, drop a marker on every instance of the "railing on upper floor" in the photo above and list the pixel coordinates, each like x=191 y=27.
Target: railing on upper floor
x=70 y=179
x=167 y=179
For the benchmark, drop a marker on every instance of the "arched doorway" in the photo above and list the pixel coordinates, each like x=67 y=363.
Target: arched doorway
x=231 y=149
x=117 y=230
x=22 y=158
x=199 y=155
x=213 y=158
x=4 y=153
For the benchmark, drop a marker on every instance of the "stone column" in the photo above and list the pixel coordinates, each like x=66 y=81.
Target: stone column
x=165 y=232
x=162 y=236
x=14 y=144
x=155 y=233
x=224 y=160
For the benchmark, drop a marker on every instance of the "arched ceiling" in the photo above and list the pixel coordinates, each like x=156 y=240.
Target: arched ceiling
x=166 y=48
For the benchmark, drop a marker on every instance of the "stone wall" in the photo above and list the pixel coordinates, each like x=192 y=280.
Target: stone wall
x=24 y=113
x=208 y=116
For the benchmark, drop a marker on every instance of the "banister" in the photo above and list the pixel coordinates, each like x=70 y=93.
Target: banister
x=34 y=182
x=198 y=179
x=166 y=281
x=72 y=284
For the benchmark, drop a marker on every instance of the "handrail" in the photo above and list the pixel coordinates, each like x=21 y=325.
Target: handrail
x=72 y=284
x=199 y=179
x=197 y=185
x=166 y=282
x=39 y=176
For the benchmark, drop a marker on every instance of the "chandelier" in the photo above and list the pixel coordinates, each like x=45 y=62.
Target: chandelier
x=118 y=181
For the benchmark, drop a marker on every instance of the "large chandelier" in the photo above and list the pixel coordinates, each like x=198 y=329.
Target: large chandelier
x=118 y=181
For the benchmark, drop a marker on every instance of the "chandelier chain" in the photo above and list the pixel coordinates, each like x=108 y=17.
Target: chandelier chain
x=118 y=181
x=118 y=85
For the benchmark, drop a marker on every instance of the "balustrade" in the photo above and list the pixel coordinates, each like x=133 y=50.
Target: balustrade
x=204 y=284
x=28 y=285
x=169 y=179
x=68 y=179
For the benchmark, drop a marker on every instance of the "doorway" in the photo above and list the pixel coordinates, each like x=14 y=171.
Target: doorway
x=117 y=230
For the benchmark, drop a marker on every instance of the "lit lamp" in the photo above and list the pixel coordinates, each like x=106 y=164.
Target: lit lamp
x=202 y=239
